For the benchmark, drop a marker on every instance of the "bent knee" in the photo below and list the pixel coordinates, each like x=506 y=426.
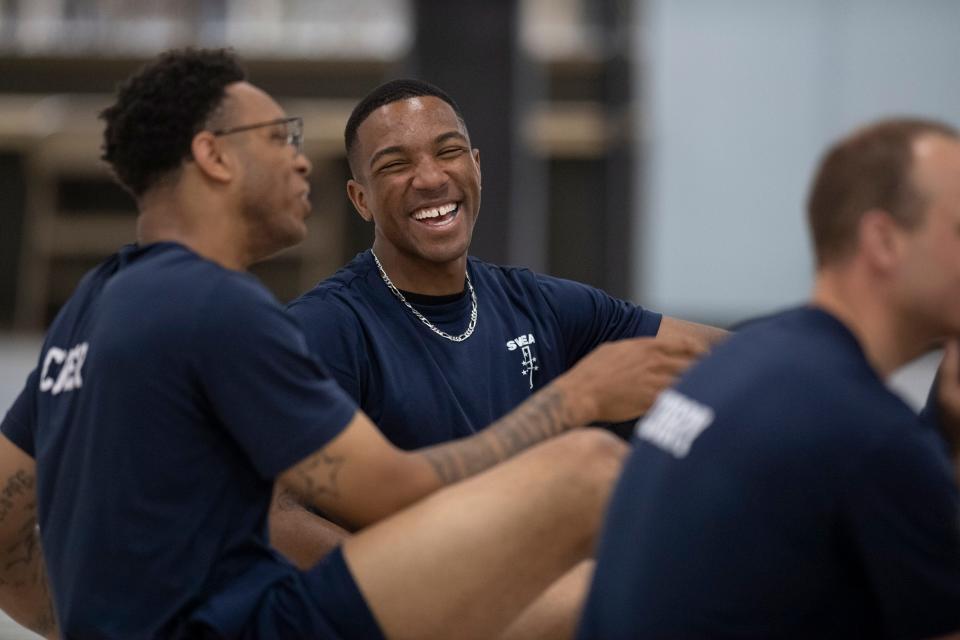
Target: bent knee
x=592 y=455
x=595 y=444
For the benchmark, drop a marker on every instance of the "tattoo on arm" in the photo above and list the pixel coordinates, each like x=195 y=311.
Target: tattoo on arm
x=444 y=463
x=286 y=501
x=24 y=551
x=541 y=417
x=453 y=462
x=545 y=418
x=23 y=569
x=318 y=476
x=18 y=484
x=45 y=621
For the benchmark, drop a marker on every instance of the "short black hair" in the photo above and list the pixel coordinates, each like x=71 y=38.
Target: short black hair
x=386 y=93
x=160 y=109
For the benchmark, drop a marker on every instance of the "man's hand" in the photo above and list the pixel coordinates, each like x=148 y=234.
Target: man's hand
x=948 y=395
x=620 y=380
x=359 y=477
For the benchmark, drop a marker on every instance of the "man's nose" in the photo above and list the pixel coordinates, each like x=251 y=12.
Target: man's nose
x=303 y=165
x=428 y=175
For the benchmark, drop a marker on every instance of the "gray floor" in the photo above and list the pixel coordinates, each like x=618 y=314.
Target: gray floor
x=19 y=353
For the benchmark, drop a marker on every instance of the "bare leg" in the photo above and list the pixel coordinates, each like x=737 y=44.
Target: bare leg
x=556 y=613
x=466 y=561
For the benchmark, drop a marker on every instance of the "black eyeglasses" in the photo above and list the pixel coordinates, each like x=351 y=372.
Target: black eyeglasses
x=293 y=127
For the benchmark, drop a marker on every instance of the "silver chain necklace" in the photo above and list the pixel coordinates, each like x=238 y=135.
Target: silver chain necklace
x=443 y=334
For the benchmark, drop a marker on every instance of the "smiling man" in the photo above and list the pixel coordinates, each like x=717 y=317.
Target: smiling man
x=432 y=343
x=173 y=392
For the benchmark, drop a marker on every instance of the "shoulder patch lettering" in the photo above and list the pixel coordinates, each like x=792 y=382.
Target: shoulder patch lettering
x=674 y=422
x=70 y=364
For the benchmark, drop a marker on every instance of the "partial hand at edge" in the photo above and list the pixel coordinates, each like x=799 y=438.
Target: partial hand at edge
x=620 y=380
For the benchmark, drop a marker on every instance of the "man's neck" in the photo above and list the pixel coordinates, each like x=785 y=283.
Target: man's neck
x=421 y=276
x=887 y=340
x=162 y=220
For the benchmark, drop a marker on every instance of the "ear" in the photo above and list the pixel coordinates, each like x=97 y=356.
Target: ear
x=358 y=196
x=476 y=161
x=881 y=239
x=209 y=158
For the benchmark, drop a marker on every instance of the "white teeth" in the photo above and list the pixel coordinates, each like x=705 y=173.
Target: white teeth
x=434 y=212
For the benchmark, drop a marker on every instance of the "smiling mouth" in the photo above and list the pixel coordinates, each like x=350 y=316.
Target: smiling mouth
x=437 y=216
x=305 y=199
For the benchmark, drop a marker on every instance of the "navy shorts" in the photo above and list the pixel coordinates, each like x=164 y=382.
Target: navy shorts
x=323 y=603
x=335 y=591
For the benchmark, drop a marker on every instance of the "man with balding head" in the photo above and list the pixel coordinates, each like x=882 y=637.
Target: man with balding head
x=780 y=489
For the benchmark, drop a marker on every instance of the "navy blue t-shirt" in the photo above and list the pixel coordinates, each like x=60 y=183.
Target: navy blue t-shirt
x=169 y=393
x=780 y=490
x=422 y=389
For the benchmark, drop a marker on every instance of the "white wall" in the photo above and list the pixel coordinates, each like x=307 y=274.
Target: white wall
x=740 y=98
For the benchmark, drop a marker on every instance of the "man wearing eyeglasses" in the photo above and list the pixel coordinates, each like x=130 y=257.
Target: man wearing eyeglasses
x=172 y=391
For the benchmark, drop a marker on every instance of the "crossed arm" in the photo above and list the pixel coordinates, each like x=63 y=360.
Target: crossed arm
x=672 y=328
x=389 y=478
x=24 y=593
x=360 y=477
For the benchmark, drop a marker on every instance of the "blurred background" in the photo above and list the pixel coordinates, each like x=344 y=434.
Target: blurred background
x=659 y=149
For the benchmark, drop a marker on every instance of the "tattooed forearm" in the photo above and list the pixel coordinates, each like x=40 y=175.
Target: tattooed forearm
x=45 y=621
x=541 y=417
x=24 y=592
x=18 y=485
x=24 y=550
x=318 y=475
x=544 y=418
x=453 y=462
x=444 y=463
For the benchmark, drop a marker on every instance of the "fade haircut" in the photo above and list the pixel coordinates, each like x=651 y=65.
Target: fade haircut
x=869 y=169
x=387 y=93
x=158 y=111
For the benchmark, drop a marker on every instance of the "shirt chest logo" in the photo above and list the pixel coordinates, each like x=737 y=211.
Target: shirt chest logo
x=62 y=369
x=528 y=363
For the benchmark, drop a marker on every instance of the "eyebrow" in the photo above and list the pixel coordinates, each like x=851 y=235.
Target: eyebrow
x=443 y=137
x=383 y=152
